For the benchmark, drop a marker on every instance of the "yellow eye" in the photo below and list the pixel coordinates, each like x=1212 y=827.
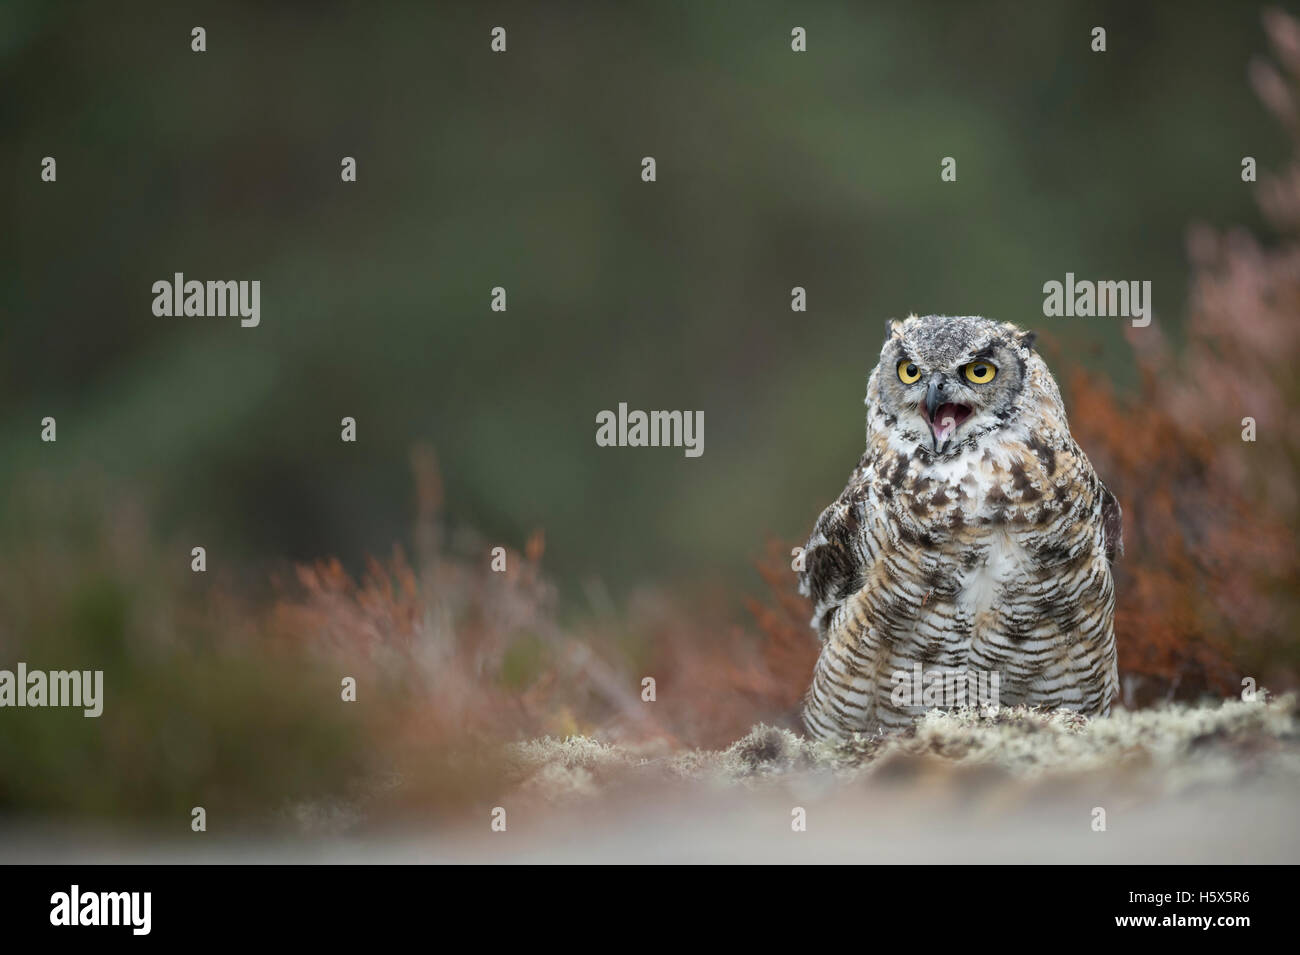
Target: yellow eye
x=981 y=372
x=908 y=372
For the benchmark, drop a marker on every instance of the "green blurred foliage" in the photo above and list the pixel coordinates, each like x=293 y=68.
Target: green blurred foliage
x=522 y=170
x=200 y=707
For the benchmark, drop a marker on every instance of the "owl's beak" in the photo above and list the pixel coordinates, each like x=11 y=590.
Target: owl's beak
x=935 y=395
x=942 y=415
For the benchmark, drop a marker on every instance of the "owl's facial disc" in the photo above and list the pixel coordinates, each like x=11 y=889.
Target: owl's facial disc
x=945 y=382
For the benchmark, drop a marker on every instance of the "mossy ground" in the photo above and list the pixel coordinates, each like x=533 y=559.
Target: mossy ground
x=1179 y=746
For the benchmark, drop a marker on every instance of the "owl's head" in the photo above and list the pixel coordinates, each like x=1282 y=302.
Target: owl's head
x=946 y=380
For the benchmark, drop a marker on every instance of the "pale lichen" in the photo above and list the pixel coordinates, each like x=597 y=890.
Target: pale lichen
x=1174 y=746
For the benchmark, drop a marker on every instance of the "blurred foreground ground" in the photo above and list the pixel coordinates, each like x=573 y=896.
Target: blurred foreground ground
x=1209 y=784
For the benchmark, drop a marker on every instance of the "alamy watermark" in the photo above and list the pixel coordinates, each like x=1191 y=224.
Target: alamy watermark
x=74 y=907
x=1085 y=298
x=944 y=688
x=651 y=429
x=199 y=299
x=37 y=688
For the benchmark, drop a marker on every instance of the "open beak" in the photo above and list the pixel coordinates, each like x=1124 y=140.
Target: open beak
x=943 y=416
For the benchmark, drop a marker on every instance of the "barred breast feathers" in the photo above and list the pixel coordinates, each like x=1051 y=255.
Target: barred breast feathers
x=991 y=551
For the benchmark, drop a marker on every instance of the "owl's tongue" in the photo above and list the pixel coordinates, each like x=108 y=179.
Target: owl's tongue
x=946 y=419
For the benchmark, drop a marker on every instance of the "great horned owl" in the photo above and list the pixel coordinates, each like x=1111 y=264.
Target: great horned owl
x=973 y=541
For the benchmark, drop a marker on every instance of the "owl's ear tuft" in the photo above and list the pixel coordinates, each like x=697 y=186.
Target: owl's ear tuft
x=893 y=329
x=1027 y=339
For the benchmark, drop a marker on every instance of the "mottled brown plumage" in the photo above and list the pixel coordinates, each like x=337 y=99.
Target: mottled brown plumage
x=971 y=548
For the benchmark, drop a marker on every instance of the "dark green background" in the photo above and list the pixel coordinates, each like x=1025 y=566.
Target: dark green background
x=523 y=170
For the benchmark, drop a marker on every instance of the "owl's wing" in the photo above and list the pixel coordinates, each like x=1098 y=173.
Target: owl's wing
x=1112 y=524
x=832 y=557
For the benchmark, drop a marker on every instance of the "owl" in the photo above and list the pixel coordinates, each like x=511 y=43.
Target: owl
x=968 y=561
